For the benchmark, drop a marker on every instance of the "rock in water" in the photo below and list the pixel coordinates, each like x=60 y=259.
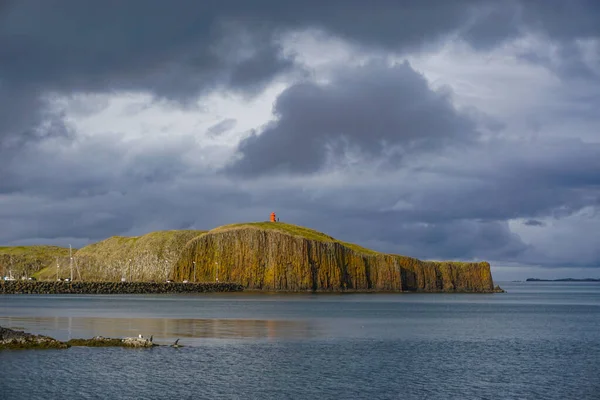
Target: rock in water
x=137 y=342
x=11 y=339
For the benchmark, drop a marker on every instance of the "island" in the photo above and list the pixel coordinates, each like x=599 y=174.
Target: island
x=255 y=256
x=562 y=280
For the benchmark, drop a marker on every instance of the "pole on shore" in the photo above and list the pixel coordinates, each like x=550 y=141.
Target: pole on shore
x=71 y=262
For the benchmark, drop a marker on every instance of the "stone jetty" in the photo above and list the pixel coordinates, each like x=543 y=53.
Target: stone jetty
x=61 y=287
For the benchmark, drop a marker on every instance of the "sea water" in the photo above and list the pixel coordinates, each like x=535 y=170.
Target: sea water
x=537 y=341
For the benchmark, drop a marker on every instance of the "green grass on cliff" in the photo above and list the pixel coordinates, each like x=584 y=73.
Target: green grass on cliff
x=41 y=251
x=122 y=246
x=295 y=230
x=109 y=259
x=28 y=260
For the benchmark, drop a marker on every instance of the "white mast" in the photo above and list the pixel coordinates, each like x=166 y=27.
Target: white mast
x=71 y=262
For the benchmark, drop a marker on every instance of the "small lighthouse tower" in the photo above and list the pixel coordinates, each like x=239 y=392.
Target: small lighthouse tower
x=273 y=217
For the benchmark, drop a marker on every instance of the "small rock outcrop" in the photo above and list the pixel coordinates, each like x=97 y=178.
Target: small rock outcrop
x=12 y=339
x=101 y=341
x=137 y=342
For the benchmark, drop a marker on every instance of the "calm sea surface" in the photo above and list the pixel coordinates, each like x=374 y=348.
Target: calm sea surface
x=538 y=341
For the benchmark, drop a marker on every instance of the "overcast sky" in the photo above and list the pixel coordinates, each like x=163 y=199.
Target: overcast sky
x=464 y=130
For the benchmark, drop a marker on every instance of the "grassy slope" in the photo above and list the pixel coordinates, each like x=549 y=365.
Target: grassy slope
x=152 y=256
x=28 y=260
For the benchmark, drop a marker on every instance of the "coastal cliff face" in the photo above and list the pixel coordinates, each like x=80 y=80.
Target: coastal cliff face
x=285 y=257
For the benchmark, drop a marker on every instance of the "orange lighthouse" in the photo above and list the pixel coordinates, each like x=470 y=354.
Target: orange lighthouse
x=273 y=217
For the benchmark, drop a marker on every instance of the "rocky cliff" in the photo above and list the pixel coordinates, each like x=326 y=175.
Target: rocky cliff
x=278 y=256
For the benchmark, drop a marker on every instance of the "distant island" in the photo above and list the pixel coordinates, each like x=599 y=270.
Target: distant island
x=563 y=280
x=264 y=256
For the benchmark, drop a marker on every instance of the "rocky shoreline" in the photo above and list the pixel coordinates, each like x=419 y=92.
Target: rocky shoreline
x=61 y=287
x=15 y=340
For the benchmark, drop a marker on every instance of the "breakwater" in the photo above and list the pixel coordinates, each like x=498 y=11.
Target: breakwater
x=36 y=287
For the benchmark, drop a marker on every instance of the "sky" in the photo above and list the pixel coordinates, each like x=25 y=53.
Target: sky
x=457 y=130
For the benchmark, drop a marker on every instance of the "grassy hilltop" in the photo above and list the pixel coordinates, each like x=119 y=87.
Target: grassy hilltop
x=28 y=260
x=280 y=256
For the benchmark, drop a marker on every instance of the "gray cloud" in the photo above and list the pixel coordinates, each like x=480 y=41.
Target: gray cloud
x=95 y=46
x=179 y=50
x=369 y=110
x=222 y=127
x=534 y=222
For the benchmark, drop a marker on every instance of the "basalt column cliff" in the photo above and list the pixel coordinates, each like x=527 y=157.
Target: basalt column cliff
x=278 y=256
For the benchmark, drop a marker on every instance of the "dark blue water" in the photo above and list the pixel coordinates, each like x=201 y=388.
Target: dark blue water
x=538 y=341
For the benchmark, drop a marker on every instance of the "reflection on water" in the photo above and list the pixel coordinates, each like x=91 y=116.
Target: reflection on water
x=65 y=328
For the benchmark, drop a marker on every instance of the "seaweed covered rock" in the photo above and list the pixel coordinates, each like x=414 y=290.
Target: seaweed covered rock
x=12 y=339
x=101 y=341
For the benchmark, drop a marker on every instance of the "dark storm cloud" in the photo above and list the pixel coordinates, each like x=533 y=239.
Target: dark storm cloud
x=562 y=20
x=534 y=222
x=504 y=180
x=222 y=127
x=94 y=166
x=460 y=239
x=492 y=24
x=177 y=49
x=370 y=110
